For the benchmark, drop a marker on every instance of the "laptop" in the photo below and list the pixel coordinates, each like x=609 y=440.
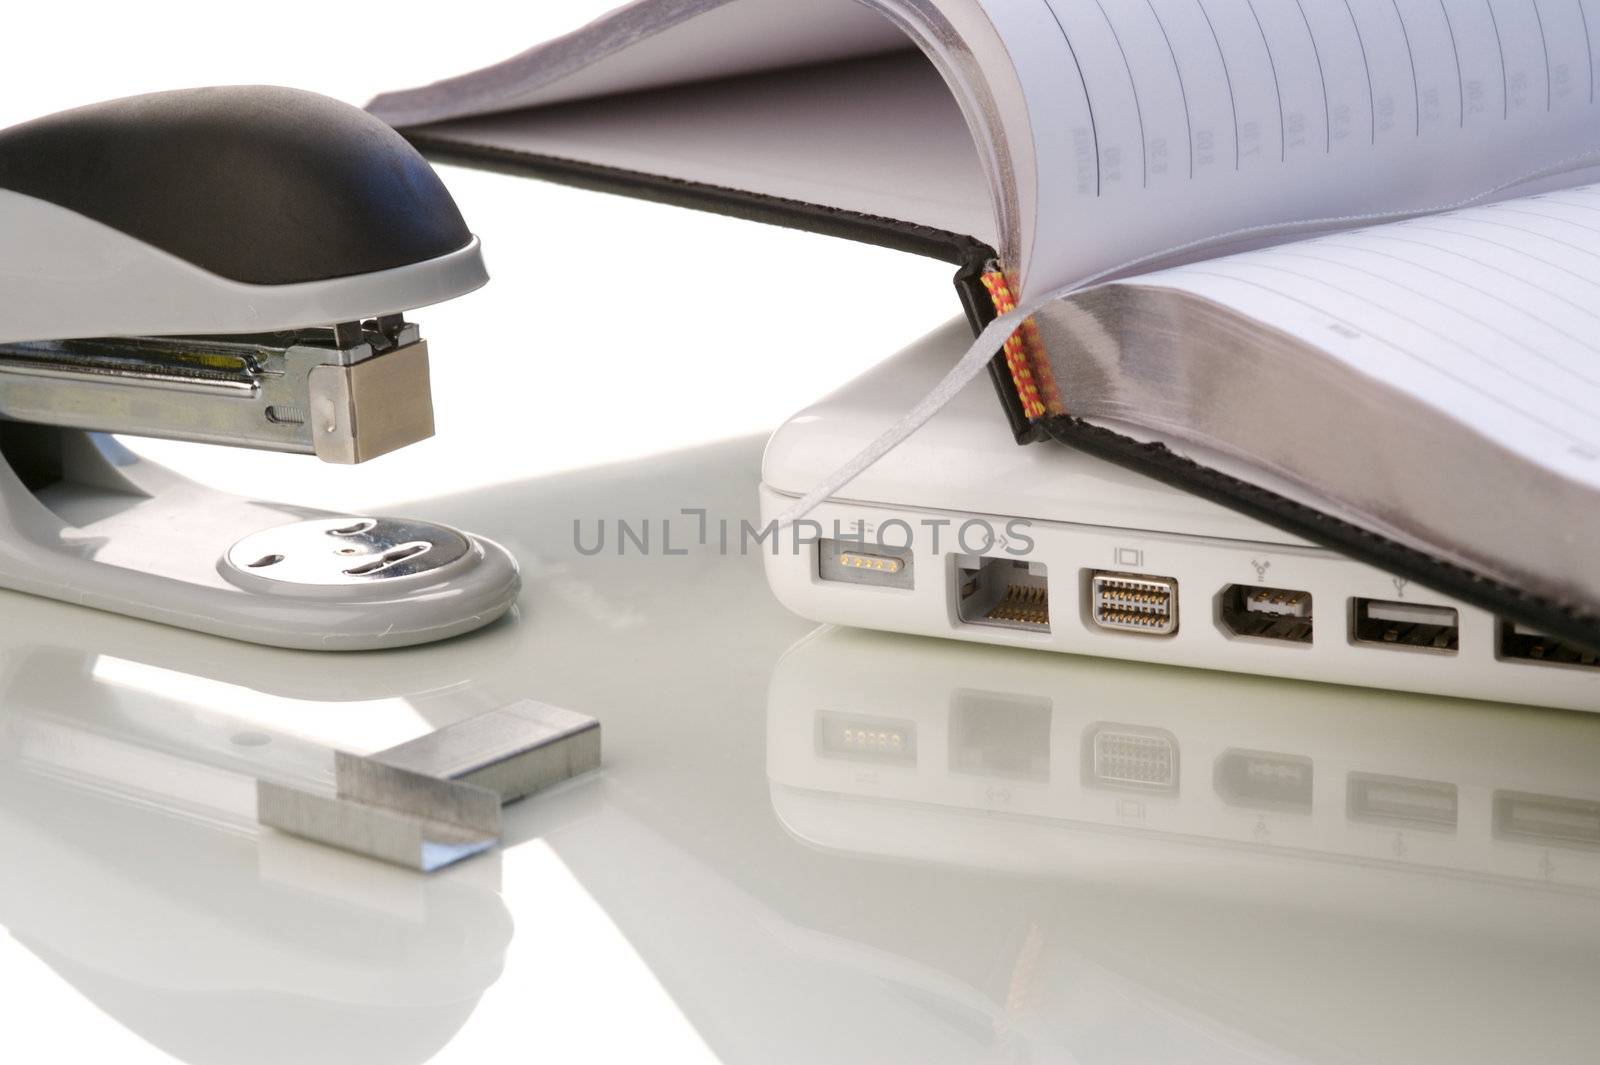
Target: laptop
x=961 y=533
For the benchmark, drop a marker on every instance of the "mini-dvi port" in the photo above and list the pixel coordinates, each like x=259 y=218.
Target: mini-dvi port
x=1130 y=756
x=1127 y=602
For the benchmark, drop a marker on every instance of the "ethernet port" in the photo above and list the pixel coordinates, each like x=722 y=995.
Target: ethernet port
x=1003 y=592
x=1000 y=735
x=1265 y=613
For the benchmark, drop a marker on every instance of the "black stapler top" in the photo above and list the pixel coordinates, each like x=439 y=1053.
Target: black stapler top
x=150 y=237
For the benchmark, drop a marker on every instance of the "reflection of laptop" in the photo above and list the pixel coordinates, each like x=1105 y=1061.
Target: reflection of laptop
x=962 y=533
x=1235 y=866
x=980 y=756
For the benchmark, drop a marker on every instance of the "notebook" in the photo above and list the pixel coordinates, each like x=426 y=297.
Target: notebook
x=1333 y=263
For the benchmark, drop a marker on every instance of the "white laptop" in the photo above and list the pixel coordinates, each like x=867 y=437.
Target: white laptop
x=961 y=533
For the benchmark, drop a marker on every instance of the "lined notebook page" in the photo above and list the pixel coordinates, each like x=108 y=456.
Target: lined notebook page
x=1491 y=314
x=1161 y=122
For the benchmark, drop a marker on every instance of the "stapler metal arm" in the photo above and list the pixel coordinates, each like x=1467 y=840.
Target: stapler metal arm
x=344 y=394
x=232 y=266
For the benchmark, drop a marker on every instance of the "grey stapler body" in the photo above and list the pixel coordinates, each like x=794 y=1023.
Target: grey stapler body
x=231 y=266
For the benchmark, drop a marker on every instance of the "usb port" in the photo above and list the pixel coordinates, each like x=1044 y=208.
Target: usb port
x=1414 y=626
x=1401 y=801
x=859 y=738
x=1130 y=756
x=1127 y=602
x=1266 y=613
x=1521 y=644
x=850 y=563
x=1003 y=592
x=1263 y=780
x=1547 y=819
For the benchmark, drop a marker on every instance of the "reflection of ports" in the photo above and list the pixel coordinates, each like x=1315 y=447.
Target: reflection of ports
x=1003 y=592
x=847 y=562
x=859 y=738
x=1414 y=626
x=1266 y=613
x=1000 y=736
x=1129 y=756
x=1399 y=801
x=1263 y=780
x=1547 y=819
x=1527 y=645
x=1127 y=602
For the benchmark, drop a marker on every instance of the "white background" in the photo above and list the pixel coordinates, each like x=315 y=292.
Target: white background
x=610 y=329
x=664 y=910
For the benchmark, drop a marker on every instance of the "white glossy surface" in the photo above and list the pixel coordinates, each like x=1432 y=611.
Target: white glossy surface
x=719 y=891
x=664 y=909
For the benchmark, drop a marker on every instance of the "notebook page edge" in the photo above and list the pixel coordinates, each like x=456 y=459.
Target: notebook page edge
x=1270 y=409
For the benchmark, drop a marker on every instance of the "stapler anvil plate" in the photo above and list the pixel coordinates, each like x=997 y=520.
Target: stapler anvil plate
x=233 y=266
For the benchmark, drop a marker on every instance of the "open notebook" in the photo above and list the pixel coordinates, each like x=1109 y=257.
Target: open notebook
x=1332 y=262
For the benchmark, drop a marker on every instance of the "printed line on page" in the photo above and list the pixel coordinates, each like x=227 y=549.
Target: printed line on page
x=1277 y=86
x=1555 y=394
x=1496 y=398
x=1094 y=131
x=1455 y=50
x=1506 y=247
x=1500 y=44
x=1372 y=103
x=1544 y=46
x=1524 y=212
x=1316 y=52
x=1183 y=92
x=1588 y=46
x=1411 y=61
x=1525 y=231
x=1133 y=86
x=1463 y=256
x=1552 y=198
x=1233 y=101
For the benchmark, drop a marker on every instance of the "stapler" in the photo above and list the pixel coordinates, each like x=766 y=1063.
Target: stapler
x=233 y=266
